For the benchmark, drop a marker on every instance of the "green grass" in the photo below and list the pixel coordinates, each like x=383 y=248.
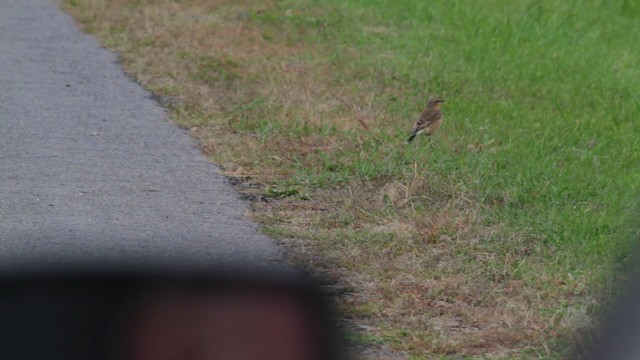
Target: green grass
x=551 y=85
x=526 y=199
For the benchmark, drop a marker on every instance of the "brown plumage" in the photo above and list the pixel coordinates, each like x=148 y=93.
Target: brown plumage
x=430 y=119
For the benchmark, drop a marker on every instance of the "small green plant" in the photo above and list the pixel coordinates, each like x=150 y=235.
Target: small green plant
x=281 y=193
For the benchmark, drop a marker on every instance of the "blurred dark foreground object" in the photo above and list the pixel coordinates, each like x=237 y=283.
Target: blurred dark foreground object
x=155 y=315
x=619 y=337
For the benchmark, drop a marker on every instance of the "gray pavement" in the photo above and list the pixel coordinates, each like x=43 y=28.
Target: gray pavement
x=90 y=166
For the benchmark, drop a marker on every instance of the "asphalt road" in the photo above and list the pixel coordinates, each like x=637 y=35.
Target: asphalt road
x=90 y=166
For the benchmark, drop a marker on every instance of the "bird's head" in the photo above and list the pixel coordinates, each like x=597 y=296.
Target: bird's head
x=435 y=102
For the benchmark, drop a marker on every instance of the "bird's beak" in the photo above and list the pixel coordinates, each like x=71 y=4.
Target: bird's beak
x=443 y=100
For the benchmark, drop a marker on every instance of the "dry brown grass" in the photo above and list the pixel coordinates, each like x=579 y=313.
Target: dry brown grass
x=426 y=280
x=220 y=63
x=420 y=267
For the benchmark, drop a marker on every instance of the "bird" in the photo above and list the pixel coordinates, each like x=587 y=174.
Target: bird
x=429 y=120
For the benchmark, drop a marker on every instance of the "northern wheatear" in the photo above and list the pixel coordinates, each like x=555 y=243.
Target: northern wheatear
x=430 y=119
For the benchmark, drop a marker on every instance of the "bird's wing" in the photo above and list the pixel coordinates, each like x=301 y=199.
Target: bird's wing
x=428 y=117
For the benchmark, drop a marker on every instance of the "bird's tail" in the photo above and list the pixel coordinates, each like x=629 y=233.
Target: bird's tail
x=414 y=133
